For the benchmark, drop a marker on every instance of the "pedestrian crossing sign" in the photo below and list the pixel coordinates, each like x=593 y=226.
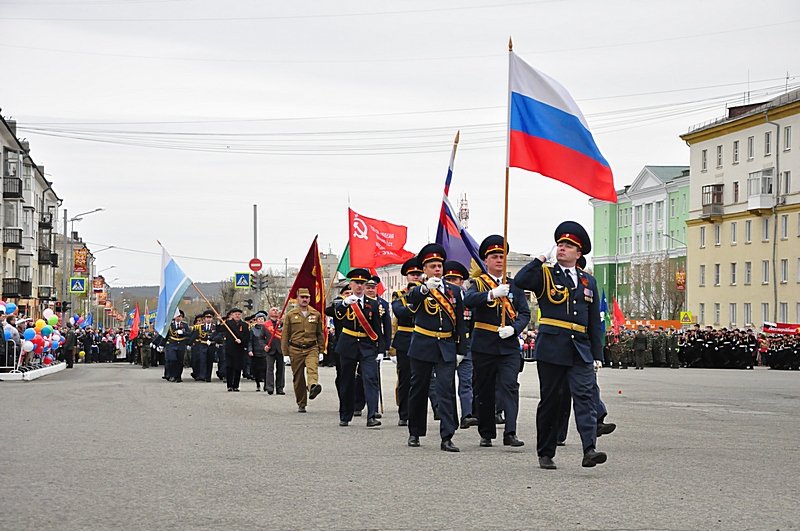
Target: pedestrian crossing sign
x=77 y=284
x=686 y=317
x=242 y=281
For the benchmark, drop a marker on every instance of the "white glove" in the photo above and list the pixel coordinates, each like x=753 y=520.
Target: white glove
x=160 y=349
x=208 y=343
x=433 y=283
x=379 y=357
x=459 y=359
x=597 y=365
x=500 y=291
x=550 y=254
x=505 y=331
x=321 y=356
x=394 y=359
x=286 y=360
x=350 y=299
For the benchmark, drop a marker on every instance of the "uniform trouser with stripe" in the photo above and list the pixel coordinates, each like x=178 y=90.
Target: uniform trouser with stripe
x=566 y=406
x=418 y=397
x=347 y=381
x=403 y=383
x=496 y=377
x=304 y=371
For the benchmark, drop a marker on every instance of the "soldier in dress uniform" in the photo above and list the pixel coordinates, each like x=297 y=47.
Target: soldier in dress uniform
x=202 y=347
x=404 y=313
x=330 y=311
x=456 y=273
x=500 y=314
x=179 y=336
x=569 y=344
x=439 y=342
x=360 y=342
x=371 y=288
x=303 y=340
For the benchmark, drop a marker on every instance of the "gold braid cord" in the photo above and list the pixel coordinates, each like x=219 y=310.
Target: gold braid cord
x=551 y=290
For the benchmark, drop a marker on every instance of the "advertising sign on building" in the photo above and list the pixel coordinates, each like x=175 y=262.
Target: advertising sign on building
x=80 y=258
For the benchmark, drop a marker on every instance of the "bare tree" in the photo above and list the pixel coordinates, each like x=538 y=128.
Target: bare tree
x=652 y=292
x=227 y=292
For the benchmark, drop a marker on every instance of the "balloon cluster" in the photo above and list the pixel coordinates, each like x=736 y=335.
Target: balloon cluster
x=42 y=338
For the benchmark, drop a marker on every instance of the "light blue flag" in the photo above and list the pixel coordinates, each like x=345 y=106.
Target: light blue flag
x=174 y=284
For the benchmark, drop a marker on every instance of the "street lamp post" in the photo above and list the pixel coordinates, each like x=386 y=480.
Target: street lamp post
x=68 y=254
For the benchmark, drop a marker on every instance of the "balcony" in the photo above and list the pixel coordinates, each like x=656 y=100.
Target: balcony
x=759 y=191
x=17 y=288
x=12 y=188
x=759 y=202
x=12 y=238
x=46 y=292
x=713 y=207
x=46 y=221
x=45 y=257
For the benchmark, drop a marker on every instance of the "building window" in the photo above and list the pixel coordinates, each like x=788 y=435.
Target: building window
x=765 y=229
x=784 y=270
x=735 y=191
x=672 y=207
x=659 y=211
x=784 y=182
x=765 y=271
x=702 y=276
x=648 y=242
x=704 y=160
x=648 y=213
x=750 y=147
x=787 y=138
x=785 y=226
x=748 y=225
x=732 y=313
x=768 y=143
x=748 y=272
x=733 y=233
x=717 y=234
x=702 y=313
x=716 y=274
x=759 y=183
x=702 y=237
x=747 y=313
x=638 y=215
x=719 y=156
x=716 y=313
x=783 y=312
x=736 y=152
x=764 y=311
x=733 y=273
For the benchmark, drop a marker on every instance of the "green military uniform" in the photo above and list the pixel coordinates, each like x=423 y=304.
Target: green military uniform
x=303 y=340
x=143 y=344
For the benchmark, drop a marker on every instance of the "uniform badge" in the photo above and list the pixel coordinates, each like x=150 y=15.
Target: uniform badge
x=584 y=281
x=553 y=292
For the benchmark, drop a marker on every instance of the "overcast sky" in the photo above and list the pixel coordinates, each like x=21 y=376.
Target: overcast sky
x=176 y=116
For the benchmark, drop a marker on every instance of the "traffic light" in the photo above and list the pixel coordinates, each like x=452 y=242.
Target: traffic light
x=248 y=303
x=66 y=306
x=58 y=307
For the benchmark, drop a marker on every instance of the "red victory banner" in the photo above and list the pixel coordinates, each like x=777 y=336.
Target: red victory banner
x=310 y=276
x=376 y=243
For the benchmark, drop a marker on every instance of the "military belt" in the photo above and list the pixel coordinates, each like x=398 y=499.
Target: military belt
x=485 y=326
x=298 y=345
x=405 y=328
x=431 y=333
x=353 y=333
x=562 y=324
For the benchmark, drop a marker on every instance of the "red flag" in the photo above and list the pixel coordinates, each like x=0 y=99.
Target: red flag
x=135 y=326
x=310 y=276
x=379 y=289
x=618 y=317
x=376 y=243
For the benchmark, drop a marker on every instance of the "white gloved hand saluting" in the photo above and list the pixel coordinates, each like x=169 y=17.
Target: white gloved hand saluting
x=433 y=283
x=597 y=365
x=350 y=299
x=500 y=291
x=459 y=359
x=505 y=331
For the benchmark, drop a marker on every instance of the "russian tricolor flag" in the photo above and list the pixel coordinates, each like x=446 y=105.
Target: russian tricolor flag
x=549 y=135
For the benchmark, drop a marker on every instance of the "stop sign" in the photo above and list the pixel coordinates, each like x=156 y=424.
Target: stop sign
x=255 y=265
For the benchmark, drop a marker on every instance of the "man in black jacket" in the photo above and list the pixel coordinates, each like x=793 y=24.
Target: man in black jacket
x=236 y=334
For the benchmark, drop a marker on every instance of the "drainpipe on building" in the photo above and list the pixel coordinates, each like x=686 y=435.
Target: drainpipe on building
x=776 y=193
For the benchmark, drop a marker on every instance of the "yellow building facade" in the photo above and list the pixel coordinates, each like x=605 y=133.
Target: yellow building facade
x=743 y=227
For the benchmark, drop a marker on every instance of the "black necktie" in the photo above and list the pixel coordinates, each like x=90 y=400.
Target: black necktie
x=570 y=283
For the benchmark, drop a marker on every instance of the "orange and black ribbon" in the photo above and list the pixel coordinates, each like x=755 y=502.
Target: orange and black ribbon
x=362 y=320
x=444 y=304
x=509 y=308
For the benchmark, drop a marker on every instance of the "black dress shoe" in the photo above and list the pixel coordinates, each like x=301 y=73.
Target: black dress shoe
x=486 y=442
x=511 y=440
x=377 y=416
x=373 y=422
x=468 y=422
x=605 y=428
x=357 y=413
x=546 y=462
x=413 y=441
x=208 y=379
x=235 y=389
x=178 y=380
x=561 y=443
x=280 y=392
x=230 y=389
x=593 y=457
x=315 y=390
x=170 y=379
x=270 y=392
x=448 y=446
x=344 y=423
x=301 y=409
x=436 y=415
x=402 y=422
x=498 y=419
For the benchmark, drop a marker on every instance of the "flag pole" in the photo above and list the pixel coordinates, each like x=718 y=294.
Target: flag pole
x=215 y=311
x=505 y=209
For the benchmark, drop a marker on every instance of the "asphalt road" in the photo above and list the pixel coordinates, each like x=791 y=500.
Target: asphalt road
x=115 y=446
